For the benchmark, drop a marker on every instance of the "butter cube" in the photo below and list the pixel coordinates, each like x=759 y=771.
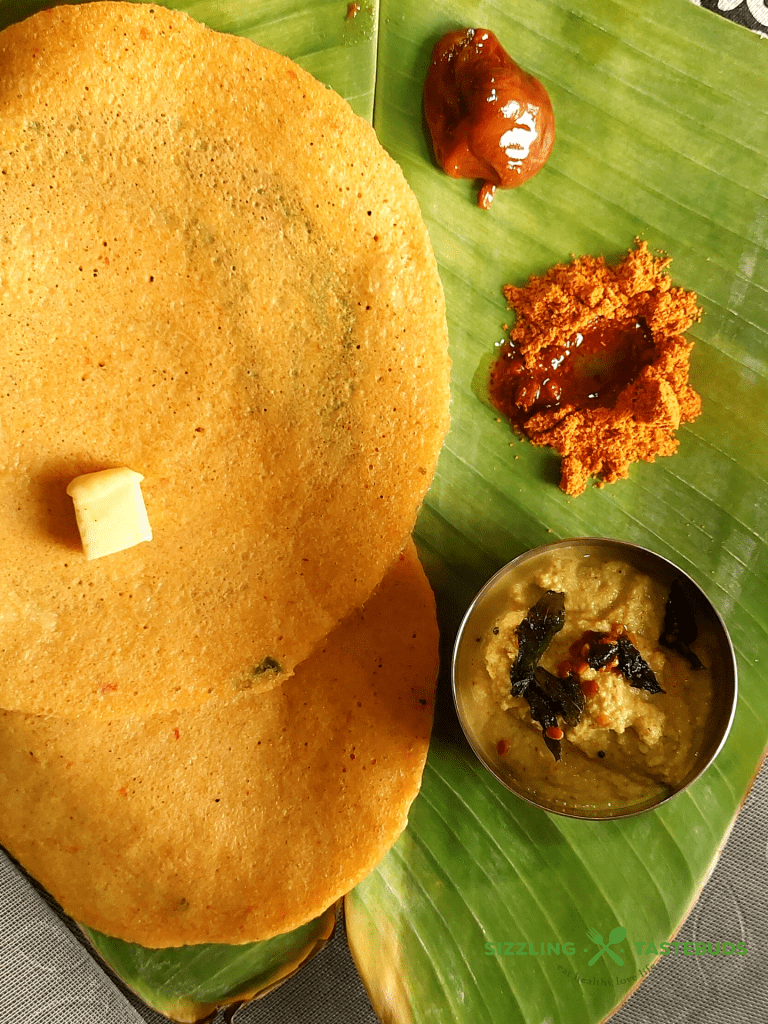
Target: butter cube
x=110 y=511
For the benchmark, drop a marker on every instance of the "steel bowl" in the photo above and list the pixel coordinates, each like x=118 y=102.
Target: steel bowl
x=488 y=604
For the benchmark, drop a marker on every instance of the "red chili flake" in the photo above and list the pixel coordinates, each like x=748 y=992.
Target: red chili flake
x=176 y=733
x=502 y=747
x=589 y=687
x=554 y=732
x=108 y=687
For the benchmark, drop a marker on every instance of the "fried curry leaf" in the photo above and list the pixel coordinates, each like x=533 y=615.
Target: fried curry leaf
x=604 y=648
x=544 y=710
x=565 y=691
x=680 y=629
x=534 y=634
x=635 y=668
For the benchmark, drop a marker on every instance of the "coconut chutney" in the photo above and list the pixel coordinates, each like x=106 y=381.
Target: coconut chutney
x=630 y=747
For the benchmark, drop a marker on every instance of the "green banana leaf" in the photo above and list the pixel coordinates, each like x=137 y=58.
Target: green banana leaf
x=662 y=133
x=190 y=983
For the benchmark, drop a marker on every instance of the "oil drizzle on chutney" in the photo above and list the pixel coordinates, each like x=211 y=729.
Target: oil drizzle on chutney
x=488 y=118
x=590 y=371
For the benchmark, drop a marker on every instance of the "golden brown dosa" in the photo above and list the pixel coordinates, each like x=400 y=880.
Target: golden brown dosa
x=240 y=820
x=211 y=273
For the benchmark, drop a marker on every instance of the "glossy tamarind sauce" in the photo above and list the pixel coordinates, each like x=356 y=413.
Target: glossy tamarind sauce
x=488 y=118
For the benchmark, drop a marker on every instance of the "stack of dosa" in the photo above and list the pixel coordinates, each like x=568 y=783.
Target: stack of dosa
x=241 y=819
x=210 y=272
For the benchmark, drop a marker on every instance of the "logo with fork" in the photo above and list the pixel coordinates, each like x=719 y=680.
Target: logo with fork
x=616 y=935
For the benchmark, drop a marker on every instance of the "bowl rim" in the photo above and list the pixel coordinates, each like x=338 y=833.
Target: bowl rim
x=643 y=553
